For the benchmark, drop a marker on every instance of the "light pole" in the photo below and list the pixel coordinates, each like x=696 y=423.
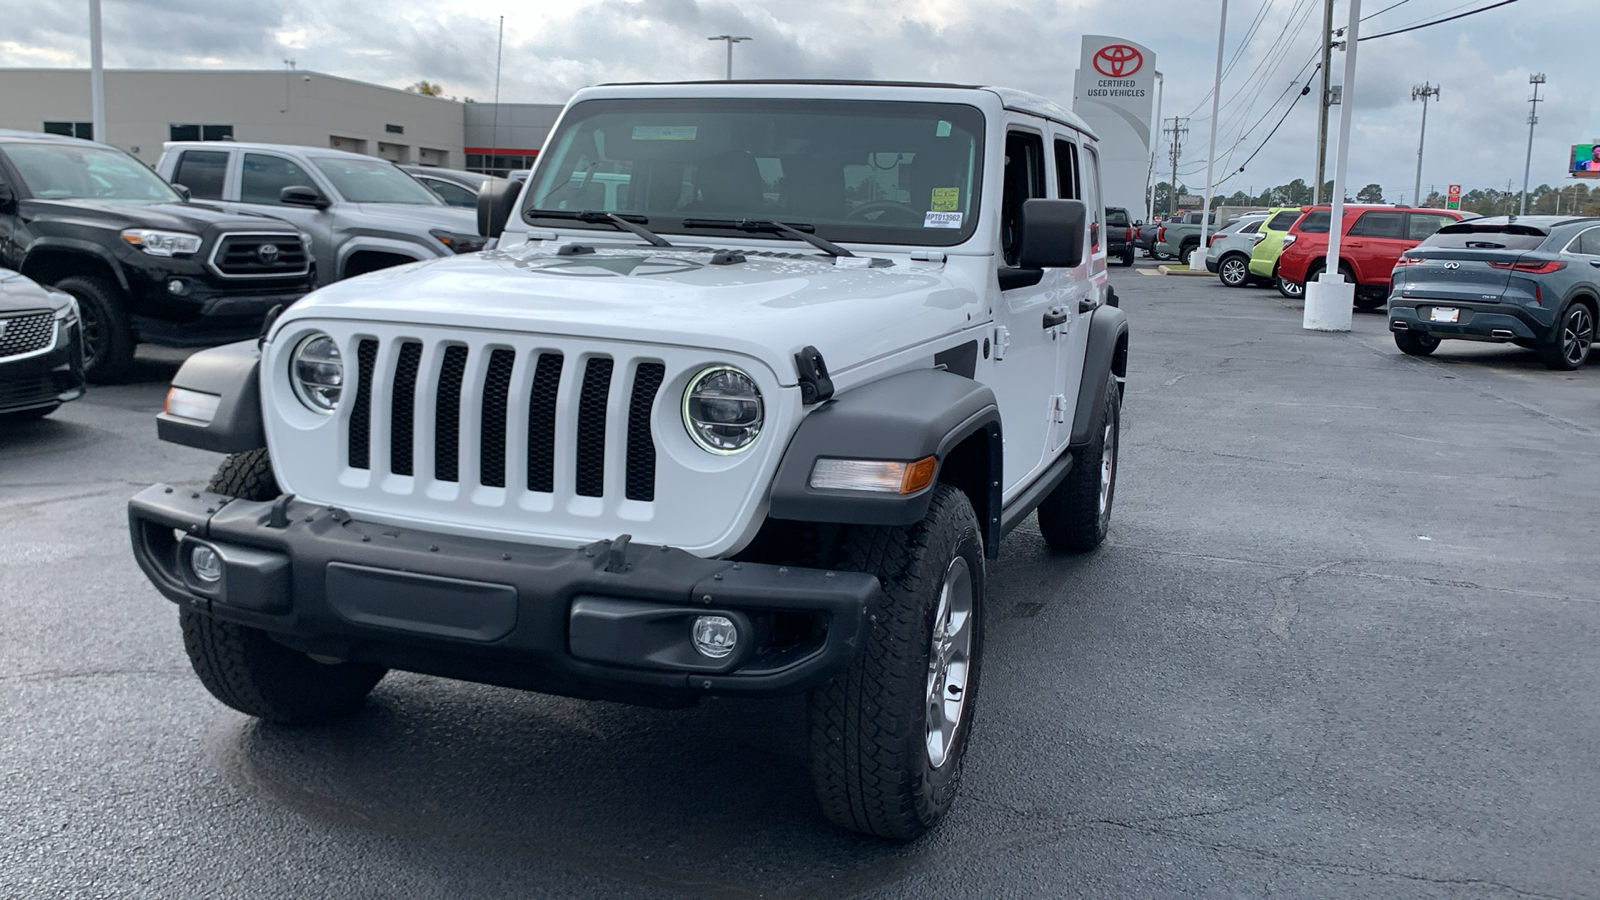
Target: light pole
x=731 y=39
x=1423 y=92
x=97 y=77
x=1197 y=259
x=1533 y=119
x=1329 y=299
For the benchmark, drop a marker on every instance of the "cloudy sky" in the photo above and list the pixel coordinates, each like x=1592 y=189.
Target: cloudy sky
x=1477 y=130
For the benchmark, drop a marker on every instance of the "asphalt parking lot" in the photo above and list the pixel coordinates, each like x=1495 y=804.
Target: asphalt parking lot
x=1340 y=643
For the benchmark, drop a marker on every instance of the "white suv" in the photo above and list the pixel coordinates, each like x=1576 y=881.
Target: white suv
x=755 y=382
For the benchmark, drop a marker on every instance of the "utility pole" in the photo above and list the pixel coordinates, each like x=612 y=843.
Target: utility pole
x=1533 y=119
x=1180 y=127
x=1211 y=151
x=1327 y=88
x=731 y=39
x=1424 y=91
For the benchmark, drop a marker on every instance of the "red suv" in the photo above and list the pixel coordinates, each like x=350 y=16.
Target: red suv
x=1372 y=241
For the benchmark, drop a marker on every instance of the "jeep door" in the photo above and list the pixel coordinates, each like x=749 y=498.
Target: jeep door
x=255 y=181
x=1082 y=289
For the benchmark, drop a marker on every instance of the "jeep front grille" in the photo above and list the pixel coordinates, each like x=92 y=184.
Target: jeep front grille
x=270 y=255
x=471 y=395
x=26 y=334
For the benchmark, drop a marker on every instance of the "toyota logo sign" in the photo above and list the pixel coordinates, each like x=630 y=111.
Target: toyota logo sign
x=1118 y=61
x=268 y=254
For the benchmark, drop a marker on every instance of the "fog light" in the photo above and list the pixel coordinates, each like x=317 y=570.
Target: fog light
x=207 y=565
x=714 y=636
x=178 y=286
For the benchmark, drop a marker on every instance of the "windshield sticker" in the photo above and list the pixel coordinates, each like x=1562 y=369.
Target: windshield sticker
x=665 y=132
x=942 y=130
x=946 y=199
x=941 y=220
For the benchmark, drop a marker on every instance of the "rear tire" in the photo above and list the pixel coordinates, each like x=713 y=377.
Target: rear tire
x=1234 y=270
x=1076 y=517
x=1574 y=336
x=108 y=339
x=1294 y=290
x=1186 y=252
x=1415 y=343
x=1127 y=257
x=888 y=735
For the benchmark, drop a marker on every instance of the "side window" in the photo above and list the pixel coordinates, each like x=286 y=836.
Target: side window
x=1091 y=195
x=1423 y=225
x=1589 y=242
x=1283 y=221
x=1252 y=228
x=1316 y=222
x=1024 y=181
x=265 y=176
x=1379 y=225
x=452 y=193
x=201 y=171
x=1067 y=187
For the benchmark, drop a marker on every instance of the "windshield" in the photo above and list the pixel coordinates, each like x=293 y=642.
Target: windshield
x=70 y=172
x=863 y=171
x=373 y=181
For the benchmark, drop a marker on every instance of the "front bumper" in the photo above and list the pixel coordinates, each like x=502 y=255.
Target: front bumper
x=47 y=379
x=1477 y=321
x=608 y=621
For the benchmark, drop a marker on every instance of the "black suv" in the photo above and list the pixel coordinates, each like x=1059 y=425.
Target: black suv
x=143 y=262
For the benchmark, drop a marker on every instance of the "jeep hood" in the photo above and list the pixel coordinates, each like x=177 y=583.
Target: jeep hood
x=768 y=306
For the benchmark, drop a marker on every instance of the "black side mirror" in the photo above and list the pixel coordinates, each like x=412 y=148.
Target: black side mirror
x=1052 y=234
x=497 y=199
x=183 y=192
x=300 y=195
x=8 y=200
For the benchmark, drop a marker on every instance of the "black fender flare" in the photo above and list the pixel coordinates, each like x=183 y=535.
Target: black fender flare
x=231 y=372
x=905 y=417
x=74 y=245
x=1105 y=358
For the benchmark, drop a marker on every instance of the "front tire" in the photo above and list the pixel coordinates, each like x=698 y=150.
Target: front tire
x=1415 y=343
x=1234 y=271
x=1076 y=517
x=888 y=735
x=1573 y=338
x=108 y=338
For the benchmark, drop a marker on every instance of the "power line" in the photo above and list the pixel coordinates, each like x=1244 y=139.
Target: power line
x=1277 y=44
x=1304 y=91
x=1471 y=12
x=1384 y=10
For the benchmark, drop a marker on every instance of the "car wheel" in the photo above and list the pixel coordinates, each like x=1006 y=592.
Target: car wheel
x=1234 y=271
x=889 y=733
x=1186 y=253
x=1077 y=515
x=108 y=339
x=1294 y=290
x=1370 y=301
x=1573 y=338
x=1415 y=343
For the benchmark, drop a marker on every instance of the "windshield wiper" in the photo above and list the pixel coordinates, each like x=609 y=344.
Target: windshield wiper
x=765 y=226
x=628 y=223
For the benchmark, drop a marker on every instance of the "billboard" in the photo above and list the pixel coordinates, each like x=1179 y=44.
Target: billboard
x=1115 y=94
x=1585 y=160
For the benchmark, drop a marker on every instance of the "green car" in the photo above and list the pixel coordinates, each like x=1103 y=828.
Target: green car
x=1264 y=258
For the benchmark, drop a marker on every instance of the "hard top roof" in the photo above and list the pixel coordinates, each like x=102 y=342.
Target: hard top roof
x=302 y=149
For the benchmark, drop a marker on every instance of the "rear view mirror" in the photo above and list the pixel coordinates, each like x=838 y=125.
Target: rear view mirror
x=300 y=195
x=1052 y=234
x=497 y=197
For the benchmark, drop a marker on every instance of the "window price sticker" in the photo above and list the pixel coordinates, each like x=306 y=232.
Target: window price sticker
x=936 y=219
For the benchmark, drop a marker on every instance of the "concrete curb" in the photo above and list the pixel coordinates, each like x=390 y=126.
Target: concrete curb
x=1184 y=270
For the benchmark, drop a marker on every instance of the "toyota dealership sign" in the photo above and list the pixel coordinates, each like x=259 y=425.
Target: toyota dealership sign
x=1116 y=92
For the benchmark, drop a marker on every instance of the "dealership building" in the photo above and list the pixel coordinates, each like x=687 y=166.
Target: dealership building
x=146 y=107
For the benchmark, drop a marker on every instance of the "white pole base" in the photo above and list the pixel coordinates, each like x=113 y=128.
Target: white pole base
x=1329 y=303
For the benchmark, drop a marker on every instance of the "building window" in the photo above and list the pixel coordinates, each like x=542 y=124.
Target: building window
x=83 y=130
x=395 y=129
x=183 y=132
x=499 y=164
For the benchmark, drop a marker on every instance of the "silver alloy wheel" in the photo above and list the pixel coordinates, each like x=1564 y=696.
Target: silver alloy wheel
x=1292 y=288
x=1577 y=333
x=949 y=655
x=1233 y=271
x=1108 y=467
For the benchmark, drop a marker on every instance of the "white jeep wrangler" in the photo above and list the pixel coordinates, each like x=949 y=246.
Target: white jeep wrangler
x=755 y=382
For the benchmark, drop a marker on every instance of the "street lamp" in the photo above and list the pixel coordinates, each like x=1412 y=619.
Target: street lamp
x=1533 y=119
x=731 y=39
x=1422 y=91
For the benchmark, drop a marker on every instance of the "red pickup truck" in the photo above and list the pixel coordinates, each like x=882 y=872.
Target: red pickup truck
x=1372 y=239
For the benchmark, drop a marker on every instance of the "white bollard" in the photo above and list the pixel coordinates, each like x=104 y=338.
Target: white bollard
x=1329 y=301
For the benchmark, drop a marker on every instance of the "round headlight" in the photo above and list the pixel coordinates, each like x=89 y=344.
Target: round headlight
x=316 y=370
x=722 y=410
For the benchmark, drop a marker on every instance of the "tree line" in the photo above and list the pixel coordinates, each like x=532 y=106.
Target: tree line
x=1544 y=200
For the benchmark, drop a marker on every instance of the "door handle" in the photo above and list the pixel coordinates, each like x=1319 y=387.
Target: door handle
x=1595 y=263
x=1054 y=317
x=1087 y=304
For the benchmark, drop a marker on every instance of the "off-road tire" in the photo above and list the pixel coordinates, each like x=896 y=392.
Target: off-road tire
x=247 y=476
x=1127 y=257
x=869 y=725
x=1572 y=339
x=1415 y=343
x=1233 y=270
x=1073 y=518
x=252 y=673
x=108 y=338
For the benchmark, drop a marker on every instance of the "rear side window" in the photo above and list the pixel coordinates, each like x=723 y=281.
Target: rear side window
x=1425 y=224
x=1091 y=193
x=1067 y=170
x=264 y=177
x=1024 y=180
x=1315 y=222
x=1589 y=242
x=1283 y=221
x=1486 y=237
x=201 y=171
x=1252 y=228
x=1379 y=225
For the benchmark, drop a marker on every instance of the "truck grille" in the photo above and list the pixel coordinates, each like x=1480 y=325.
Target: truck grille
x=274 y=255
x=26 y=333
x=471 y=393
